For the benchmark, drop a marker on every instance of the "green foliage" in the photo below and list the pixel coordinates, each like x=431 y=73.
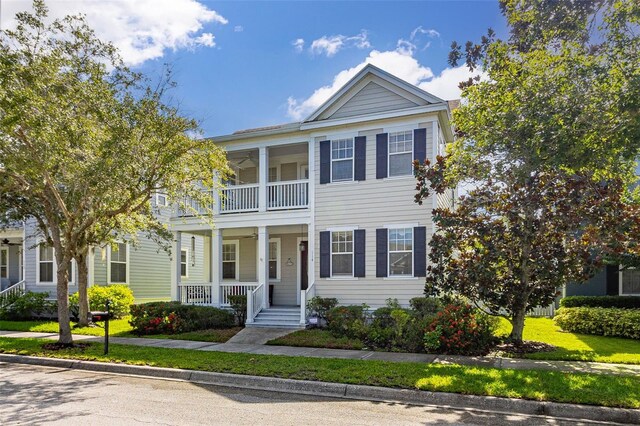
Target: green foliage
x=174 y=317
x=25 y=306
x=462 y=330
x=349 y=321
x=424 y=307
x=120 y=296
x=321 y=305
x=628 y=302
x=534 y=137
x=239 y=306
x=600 y=321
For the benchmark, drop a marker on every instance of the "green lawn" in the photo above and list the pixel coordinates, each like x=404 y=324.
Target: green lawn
x=570 y=346
x=576 y=347
x=597 y=389
x=120 y=328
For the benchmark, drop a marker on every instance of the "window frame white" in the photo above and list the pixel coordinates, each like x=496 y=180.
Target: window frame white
x=389 y=154
x=621 y=271
x=396 y=228
x=72 y=274
x=304 y=168
x=127 y=263
x=6 y=265
x=352 y=252
x=278 y=260
x=236 y=244
x=352 y=158
x=185 y=263
x=158 y=197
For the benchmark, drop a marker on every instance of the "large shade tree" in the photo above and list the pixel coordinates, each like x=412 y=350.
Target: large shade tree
x=547 y=134
x=85 y=142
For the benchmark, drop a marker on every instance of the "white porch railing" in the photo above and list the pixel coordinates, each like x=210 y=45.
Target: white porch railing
x=240 y=198
x=234 y=289
x=255 y=301
x=15 y=290
x=195 y=293
x=305 y=296
x=288 y=194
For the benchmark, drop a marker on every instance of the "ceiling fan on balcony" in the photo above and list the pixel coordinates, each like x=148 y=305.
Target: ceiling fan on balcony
x=252 y=236
x=248 y=161
x=7 y=242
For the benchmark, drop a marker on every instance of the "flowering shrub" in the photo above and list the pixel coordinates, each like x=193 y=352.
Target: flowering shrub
x=460 y=329
x=174 y=317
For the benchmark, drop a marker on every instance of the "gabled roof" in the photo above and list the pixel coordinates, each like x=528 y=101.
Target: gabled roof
x=352 y=87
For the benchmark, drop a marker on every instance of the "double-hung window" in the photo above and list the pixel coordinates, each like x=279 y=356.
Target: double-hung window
x=161 y=200
x=46 y=266
x=274 y=255
x=184 y=263
x=230 y=261
x=342 y=254
x=401 y=153
x=401 y=252
x=4 y=262
x=630 y=282
x=342 y=160
x=118 y=263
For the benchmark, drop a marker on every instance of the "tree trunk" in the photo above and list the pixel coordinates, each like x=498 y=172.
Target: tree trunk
x=63 y=306
x=83 y=297
x=517 y=324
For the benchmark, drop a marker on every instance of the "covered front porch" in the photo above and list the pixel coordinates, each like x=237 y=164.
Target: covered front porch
x=11 y=257
x=271 y=265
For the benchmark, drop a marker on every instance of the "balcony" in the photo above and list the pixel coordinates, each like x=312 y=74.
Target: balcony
x=265 y=179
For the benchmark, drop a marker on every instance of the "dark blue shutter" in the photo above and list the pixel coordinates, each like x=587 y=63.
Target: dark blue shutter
x=381 y=252
x=325 y=254
x=419 y=251
x=359 y=244
x=360 y=158
x=420 y=145
x=382 y=147
x=325 y=162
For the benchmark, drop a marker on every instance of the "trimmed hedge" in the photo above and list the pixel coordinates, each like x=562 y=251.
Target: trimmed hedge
x=627 y=302
x=120 y=296
x=174 y=317
x=613 y=322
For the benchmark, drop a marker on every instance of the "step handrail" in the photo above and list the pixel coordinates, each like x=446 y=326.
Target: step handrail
x=18 y=288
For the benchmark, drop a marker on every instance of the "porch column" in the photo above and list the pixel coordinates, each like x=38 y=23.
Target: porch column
x=263 y=177
x=263 y=262
x=176 y=248
x=216 y=264
x=91 y=260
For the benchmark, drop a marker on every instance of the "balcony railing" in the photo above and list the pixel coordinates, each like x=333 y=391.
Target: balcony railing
x=241 y=198
x=288 y=195
x=293 y=194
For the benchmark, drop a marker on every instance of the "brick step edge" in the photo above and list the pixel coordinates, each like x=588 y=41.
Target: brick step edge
x=359 y=392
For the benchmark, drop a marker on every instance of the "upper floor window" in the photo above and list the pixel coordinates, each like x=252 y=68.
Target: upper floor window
x=161 y=200
x=342 y=253
x=119 y=263
x=400 y=252
x=342 y=160
x=401 y=153
x=230 y=261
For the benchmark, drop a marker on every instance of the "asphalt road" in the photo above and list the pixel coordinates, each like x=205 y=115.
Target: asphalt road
x=44 y=395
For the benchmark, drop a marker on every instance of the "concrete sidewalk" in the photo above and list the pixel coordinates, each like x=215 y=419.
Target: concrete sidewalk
x=495 y=362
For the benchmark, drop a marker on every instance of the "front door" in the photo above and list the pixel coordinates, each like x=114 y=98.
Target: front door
x=304 y=256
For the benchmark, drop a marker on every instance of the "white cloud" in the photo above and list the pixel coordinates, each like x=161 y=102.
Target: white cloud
x=298 y=44
x=399 y=62
x=238 y=29
x=330 y=45
x=429 y=32
x=140 y=29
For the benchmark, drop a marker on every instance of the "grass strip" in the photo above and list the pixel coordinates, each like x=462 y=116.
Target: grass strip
x=594 y=389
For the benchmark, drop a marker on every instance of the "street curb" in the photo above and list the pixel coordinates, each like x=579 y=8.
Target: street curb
x=359 y=392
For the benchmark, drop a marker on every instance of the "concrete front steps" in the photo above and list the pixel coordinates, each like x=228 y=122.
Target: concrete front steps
x=278 y=317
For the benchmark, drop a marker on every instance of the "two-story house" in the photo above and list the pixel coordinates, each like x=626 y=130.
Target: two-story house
x=322 y=207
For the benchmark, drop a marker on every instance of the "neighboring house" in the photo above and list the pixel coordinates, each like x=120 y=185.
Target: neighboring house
x=322 y=207
x=145 y=268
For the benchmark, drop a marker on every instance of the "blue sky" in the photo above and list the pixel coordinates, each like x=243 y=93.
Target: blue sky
x=241 y=64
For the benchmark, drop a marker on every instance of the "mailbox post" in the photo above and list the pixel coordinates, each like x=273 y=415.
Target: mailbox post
x=103 y=316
